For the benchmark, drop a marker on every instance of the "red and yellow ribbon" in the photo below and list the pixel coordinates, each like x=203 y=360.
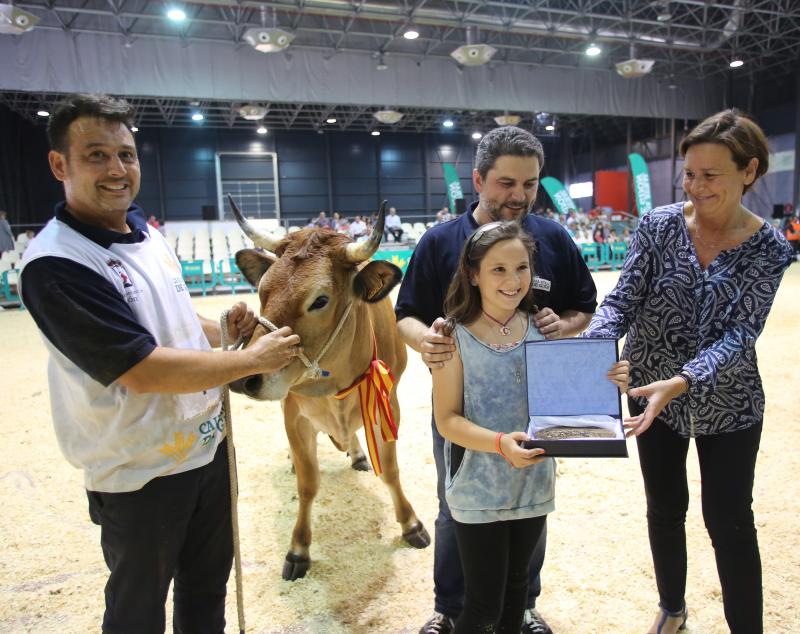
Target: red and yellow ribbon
x=374 y=392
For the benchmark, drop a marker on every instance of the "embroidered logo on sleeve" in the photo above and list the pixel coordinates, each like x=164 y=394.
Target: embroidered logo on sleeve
x=541 y=284
x=180 y=448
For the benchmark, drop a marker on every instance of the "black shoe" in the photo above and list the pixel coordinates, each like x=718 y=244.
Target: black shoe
x=532 y=623
x=438 y=624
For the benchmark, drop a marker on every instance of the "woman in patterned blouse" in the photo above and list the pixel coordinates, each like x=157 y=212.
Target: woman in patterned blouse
x=693 y=297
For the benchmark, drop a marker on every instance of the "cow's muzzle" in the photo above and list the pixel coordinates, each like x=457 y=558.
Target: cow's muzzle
x=249 y=385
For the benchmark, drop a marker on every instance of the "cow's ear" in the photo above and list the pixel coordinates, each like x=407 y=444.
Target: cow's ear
x=253 y=264
x=376 y=280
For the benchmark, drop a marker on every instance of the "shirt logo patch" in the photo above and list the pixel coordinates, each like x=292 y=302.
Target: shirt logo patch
x=116 y=266
x=541 y=284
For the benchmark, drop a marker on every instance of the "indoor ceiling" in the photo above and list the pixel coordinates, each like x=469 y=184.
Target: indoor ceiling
x=685 y=38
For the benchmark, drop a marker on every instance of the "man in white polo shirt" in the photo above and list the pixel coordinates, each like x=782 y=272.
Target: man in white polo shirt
x=133 y=380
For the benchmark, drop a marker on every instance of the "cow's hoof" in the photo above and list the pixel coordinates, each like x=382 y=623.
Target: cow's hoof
x=417 y=536
x=295 y=566
x=361 y=464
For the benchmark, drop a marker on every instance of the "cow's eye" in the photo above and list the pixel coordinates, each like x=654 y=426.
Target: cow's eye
x=320 y=302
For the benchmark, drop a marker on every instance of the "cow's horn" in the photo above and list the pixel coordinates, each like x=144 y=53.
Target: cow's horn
x=360 y=251
x=259 y=238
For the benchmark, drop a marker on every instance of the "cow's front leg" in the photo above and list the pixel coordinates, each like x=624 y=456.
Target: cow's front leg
x=414 y=533
x=303 y=443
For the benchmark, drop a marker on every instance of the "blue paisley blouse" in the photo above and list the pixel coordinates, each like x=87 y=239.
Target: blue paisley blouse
x=702 y=324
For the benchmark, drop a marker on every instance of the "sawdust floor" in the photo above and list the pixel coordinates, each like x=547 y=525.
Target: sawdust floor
x=364 y=579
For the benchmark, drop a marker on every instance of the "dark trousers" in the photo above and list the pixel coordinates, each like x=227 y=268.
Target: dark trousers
x=176 y=527
x=448 y=578
x=727 y=466
x=496 y=561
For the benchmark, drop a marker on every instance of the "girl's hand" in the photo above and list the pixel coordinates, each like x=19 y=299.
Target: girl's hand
x=516 y=455
x=658 y=395
x=620 y=375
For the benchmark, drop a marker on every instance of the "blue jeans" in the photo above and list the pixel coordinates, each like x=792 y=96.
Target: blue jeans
x=448 y=577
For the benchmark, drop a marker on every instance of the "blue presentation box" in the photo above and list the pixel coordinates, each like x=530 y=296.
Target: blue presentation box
x=568 y=390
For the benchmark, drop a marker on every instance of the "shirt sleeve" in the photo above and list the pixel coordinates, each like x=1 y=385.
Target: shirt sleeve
x=84 y=317
x=417 y=295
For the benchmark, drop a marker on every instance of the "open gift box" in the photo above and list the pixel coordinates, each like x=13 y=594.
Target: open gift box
x=573 y=408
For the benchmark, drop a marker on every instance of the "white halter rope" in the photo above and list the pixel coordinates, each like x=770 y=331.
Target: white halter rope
x=234 y=482
x=312 y=367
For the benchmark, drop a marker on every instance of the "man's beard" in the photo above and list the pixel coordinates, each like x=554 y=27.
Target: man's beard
x=494 y=211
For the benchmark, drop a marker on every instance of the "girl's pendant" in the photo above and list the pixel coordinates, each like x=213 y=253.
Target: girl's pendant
x=505 y=331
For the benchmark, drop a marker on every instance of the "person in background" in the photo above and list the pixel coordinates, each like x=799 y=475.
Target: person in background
x=358 y=229
x=322 y=221
x=153 y=222
x=793 y=234
x=693 y=297
x=506 y=177
x=393 y=225
x=134 y=396
x=6 y=235
x=443 y=215
x=336 y=221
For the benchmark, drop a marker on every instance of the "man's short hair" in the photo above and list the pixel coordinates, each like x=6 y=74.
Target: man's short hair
x=504 y=141
x=76 y=106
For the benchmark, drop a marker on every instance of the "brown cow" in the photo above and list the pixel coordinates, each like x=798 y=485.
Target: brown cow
x=316 y=282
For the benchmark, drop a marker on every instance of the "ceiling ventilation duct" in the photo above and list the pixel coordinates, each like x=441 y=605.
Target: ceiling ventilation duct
x=252 y=112
x=473 y=53
x=268 y=39
x=633 y=67
x=507 y=119
x=14 y=21
x=388 y=116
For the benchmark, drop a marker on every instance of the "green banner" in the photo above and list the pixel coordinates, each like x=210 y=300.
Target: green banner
x=561 y=199
x=641 y=183
x=398 y=257
x=453 y=185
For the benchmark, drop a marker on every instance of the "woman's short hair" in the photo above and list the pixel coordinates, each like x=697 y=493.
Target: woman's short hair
x=463 y=301
x=740 y=134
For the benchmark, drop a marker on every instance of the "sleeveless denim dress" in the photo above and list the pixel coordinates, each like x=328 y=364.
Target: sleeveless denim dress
x=485 y=488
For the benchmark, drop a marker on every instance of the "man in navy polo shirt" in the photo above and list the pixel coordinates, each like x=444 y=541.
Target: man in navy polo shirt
x=506 y=177
x=133 y=381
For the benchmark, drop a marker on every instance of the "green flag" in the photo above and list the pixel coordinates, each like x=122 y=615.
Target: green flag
x=561 y=199
x=641 y=183
x=453 y=185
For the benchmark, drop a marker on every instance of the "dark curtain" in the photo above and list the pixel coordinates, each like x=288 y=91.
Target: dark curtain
x=28 y=191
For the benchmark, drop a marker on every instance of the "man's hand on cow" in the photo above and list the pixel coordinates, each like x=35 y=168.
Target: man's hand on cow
x=275 y=350
x=436 y=347
x=549 y=324
x=241 y=322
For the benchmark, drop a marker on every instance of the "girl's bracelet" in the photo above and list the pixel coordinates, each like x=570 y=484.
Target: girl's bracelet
x=499 y=449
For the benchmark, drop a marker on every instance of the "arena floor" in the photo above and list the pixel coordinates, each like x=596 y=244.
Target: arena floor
x=364 y=579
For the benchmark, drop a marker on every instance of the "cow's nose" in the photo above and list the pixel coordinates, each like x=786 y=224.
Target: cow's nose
x=249 y=385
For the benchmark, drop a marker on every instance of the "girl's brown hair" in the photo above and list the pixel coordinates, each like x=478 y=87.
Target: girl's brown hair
x=740 y=134
x=462 y=304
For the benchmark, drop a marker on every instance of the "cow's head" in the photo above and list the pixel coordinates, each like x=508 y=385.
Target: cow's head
x=306 y=281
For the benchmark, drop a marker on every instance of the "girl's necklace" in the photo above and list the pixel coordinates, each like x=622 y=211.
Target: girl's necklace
x=504 y=329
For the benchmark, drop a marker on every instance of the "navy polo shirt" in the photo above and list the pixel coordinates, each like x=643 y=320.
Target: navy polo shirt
x=80 y=312
x=562 y=279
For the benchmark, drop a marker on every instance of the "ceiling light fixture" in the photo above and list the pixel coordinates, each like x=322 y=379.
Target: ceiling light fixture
x=43 y=113
x=476 y=135
x=134 y=129
x=381 y=65
x=550 y=127
x=375 y=133
x=388 y=116
x=633 y=67
x=176 y=14
x=14 y=20
x=411 y=33
x=261 y=130
x=266 y=39
x=330 y=120
x=447 y=123
x=473 y=53
x=736 y=63
x=197 y=116
x=593 y=50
